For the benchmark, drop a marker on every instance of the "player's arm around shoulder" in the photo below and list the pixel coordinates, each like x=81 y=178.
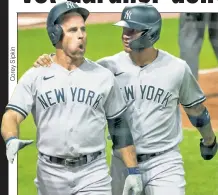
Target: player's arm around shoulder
x=115 y=108
x=44 y=60
x=16 y=111
x=109 y=63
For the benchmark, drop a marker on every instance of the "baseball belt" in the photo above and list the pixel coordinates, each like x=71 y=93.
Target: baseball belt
x=73 y=162
x=144 y=157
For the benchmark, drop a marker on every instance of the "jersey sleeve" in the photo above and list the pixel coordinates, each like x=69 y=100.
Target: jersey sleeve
x=115 y=103
x=190 y=92
x=22 y=97
x=106 y=63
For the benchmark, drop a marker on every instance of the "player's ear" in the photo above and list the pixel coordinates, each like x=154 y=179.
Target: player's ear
x=43 y=60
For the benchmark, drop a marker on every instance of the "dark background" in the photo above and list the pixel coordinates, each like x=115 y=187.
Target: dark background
x=4 y=94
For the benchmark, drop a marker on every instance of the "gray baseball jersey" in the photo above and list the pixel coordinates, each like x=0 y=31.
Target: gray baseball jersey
x=70 y=108
x=153 y=94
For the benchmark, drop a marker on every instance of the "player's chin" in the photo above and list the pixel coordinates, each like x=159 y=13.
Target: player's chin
x=80 y=55
x=77 y=55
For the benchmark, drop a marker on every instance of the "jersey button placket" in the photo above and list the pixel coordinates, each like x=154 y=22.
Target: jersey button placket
x=138 y=90
x=69 y=85
x=70 y=79
x=71 y=134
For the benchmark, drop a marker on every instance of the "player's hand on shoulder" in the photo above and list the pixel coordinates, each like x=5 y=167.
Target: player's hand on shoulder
x=133 y=182
x=208 y=151
x=13 y=145
x=43 y=60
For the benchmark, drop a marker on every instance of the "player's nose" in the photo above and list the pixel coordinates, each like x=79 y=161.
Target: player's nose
x=80 y=34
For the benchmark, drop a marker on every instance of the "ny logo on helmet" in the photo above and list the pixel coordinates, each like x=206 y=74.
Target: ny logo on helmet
x=128 y=15
x=69 y=4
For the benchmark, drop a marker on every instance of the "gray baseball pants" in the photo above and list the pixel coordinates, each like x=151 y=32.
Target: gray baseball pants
x=162 y=175
x=191 y=36
x=88 y=179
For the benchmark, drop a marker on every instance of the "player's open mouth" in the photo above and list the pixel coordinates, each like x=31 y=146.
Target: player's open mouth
x=126 y=44
x=81 y=47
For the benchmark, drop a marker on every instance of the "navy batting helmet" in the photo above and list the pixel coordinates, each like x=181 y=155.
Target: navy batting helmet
x=142 y=17
x=54 y=30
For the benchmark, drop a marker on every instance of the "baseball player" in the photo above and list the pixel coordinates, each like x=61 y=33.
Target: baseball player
x=154 y=84
x=191 y=36
x=70 y=103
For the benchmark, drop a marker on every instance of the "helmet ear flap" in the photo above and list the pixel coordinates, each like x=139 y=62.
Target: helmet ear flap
x=54 y=30
x=155 y=36
x=55 y=33
x=142 y=42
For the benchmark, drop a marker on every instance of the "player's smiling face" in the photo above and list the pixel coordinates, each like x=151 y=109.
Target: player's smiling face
x=128 y=35
x=74 y=35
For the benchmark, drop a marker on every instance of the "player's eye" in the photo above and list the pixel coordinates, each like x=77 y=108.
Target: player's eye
x=129 y=31
x=73 y=29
